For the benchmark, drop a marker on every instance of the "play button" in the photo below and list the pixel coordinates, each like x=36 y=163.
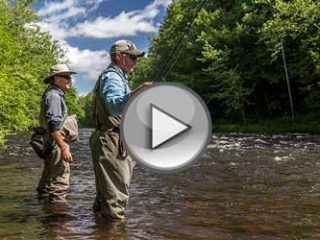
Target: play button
x=166 y=126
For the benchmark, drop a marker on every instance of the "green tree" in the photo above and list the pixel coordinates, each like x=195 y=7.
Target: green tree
x=26 y=55
x=85 y=103
x=230 y=54
x=296 y=24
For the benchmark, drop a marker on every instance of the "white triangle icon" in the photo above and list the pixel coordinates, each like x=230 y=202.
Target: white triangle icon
x=164 y=127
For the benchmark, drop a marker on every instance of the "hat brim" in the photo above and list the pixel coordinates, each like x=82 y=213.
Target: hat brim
x=136 y=52
x=47 y=79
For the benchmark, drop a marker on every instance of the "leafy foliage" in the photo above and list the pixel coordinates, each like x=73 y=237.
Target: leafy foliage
x=26 y=55
x=85 y=103
x=231 y=55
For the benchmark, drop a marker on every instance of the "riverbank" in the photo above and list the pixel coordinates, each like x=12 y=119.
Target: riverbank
x=3 y=134
x=305 y=124
x=274 y=126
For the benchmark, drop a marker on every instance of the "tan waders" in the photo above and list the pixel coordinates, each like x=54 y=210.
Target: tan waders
x=54 y=181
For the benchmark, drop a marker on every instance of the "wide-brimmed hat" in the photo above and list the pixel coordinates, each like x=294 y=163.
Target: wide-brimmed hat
x=58 y=69
x=126 y=46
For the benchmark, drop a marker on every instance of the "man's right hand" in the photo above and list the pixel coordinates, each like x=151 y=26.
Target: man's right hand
x=65 y=151
x=66 y=154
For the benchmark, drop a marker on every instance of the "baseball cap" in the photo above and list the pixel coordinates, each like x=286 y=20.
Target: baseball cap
x=126 y=46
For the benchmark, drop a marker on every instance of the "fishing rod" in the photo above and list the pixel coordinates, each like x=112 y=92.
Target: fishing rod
x=175 y=53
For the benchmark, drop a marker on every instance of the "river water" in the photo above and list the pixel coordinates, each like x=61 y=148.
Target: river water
x=244 y=187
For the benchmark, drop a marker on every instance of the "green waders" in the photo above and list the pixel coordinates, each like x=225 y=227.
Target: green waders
x=112 y=174
x=113 y=169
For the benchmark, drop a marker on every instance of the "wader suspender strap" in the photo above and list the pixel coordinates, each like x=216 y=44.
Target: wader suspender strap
x=98 y=94
x=98 y=97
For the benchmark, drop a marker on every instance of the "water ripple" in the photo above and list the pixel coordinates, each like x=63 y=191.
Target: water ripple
x=245 y=186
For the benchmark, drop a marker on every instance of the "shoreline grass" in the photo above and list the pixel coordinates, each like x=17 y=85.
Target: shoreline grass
x=283 y=125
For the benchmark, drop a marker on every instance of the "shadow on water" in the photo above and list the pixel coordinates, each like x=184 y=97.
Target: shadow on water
x=244 y=187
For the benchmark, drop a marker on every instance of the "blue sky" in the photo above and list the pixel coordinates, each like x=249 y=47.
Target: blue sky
x=86 y=29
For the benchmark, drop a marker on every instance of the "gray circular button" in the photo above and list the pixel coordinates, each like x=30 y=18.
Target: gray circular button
x=166 y=126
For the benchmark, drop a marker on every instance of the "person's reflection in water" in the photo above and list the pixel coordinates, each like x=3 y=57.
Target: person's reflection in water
x=57 y=220
x=108 y=229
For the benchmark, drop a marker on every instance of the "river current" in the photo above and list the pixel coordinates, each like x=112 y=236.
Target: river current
x=245 y=186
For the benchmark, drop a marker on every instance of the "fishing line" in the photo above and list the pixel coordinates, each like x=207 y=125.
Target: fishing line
x=175 y=53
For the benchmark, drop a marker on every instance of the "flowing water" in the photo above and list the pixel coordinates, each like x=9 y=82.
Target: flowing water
x=244 y=187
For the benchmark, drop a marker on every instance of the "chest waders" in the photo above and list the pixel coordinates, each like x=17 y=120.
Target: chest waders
x=113 y=170
x=54 y=182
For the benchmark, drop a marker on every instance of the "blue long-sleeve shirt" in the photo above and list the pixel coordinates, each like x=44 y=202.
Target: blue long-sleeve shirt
x=115 y=90
x=55 y=108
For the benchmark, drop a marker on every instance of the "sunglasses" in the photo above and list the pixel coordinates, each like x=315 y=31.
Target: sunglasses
x=68 y=77
x=132 y=57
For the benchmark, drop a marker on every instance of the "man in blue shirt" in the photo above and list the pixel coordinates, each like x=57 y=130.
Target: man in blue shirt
x=113 y=167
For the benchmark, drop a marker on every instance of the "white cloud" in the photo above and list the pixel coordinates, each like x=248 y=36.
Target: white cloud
x=165 y=3
x=55 y=7
x=70 y=13
x=55 y=29
x=56 y=16
x=125 y=24
x=58 y=7
x=88 y=62
x=158 y=3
